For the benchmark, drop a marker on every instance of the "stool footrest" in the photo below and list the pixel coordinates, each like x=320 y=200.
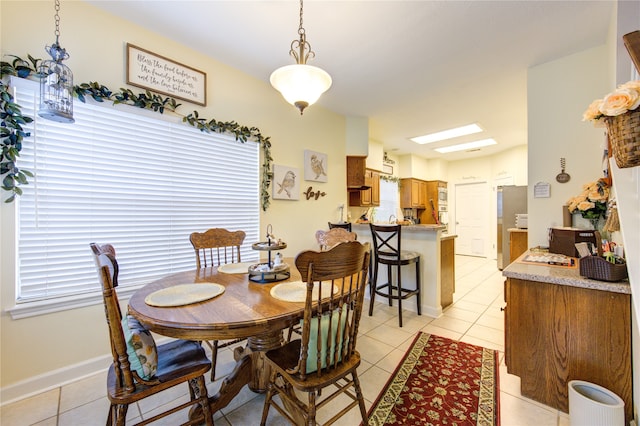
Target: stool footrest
x=406 y=292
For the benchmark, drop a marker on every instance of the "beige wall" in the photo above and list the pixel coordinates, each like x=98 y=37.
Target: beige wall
x=96 y=42
x=558 y=94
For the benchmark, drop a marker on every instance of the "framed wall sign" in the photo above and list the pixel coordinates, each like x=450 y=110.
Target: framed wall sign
x=162 y=75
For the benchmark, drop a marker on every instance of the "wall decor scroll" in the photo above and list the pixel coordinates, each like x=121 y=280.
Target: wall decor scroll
x=162 y=75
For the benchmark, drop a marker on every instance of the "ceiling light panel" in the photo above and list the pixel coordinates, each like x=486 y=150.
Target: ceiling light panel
x=465 y=146
x=448 y=134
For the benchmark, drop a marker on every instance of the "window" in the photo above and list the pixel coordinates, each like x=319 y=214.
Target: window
x=389 y=201
x=127 y=177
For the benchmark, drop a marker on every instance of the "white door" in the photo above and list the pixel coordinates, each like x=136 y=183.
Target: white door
x=472 y=218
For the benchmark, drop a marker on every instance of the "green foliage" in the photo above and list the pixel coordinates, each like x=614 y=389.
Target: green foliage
x=390 y=178
x=11 y=130
x=12 y=134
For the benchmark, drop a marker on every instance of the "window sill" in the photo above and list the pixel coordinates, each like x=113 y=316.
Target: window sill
x=43 y=307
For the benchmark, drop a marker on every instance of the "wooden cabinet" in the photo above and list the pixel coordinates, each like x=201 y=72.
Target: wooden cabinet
x=447 y=270
x=413 y=193
x=369 y=197
x=518 y=243
x=556 y=333
x=375 y=187
x=432 y=193
x=356 y=172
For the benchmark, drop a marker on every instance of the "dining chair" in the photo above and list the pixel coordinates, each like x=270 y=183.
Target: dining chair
x=345 y=225
x=387 y=250
x=326 y=353
x=328 y=239
x=215 y=247
x=141 y=369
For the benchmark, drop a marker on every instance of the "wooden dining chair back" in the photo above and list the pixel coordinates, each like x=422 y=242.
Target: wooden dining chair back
x=328 y=239
x=217 y=246
x=345 y=225
x=139 y=368
x=326 y=353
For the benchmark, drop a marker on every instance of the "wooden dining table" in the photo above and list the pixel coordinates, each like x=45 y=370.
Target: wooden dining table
x=245 y=309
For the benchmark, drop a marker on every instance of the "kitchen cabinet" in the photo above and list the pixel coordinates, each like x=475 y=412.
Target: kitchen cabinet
x=356 y=172
x=518 y=243
x=555 y=333
x=369 y=197
x=447 y=270
x=413 y=193
x=436 y=191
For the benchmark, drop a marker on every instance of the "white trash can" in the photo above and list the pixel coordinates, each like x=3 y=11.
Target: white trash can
x=593 y=405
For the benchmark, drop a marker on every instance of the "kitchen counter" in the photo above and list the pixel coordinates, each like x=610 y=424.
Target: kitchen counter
x=560 y=327
x=560 y=275
x=426 y=240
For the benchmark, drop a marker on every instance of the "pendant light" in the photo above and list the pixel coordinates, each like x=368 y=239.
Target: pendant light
x=56 y=81
x=301 y=84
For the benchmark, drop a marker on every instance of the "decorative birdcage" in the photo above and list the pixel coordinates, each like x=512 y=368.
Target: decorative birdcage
x=56 y=81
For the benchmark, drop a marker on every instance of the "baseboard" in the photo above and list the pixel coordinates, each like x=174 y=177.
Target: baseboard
x=60 y=377
x=53 y=379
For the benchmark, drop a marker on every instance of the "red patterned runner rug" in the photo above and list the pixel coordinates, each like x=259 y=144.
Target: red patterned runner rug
x=441 y=382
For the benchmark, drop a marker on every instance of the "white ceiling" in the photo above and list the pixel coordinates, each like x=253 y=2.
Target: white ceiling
x=411 y=67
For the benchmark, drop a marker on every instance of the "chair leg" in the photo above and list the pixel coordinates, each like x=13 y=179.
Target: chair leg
x=214 y=359
x=119 y=414
x=418 y=286
x=200 y=392
x=372 y=288
x=267 y=398
x=400 y=295
x=390 y=288
x=311 y=415
x=360 y=396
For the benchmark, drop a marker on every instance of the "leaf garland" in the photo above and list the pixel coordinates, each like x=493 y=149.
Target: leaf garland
x=12 y=133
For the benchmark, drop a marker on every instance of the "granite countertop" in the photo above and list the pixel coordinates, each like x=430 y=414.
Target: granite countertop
x=517 y=230
x=428 y=228
x=560 y=275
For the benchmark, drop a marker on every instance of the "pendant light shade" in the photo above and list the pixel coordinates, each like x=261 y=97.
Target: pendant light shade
x=301 y=84
x=56 y=81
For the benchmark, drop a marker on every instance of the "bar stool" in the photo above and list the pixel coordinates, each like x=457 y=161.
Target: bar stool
x=387 y=251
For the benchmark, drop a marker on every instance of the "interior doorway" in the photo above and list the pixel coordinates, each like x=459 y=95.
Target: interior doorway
x=473 y=204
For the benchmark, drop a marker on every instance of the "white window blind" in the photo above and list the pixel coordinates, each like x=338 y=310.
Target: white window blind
x=120 y=176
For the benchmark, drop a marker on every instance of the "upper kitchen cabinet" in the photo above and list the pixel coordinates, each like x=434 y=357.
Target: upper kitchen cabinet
x=356 y=172
x=413 y=193
x=369 y=197
x=363 y=184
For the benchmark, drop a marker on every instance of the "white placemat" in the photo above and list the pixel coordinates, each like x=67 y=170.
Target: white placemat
x=295 y=291
x=184 y=294
x=235 y=268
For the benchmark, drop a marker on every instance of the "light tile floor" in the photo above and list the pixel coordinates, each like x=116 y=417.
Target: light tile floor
x=474 y=317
